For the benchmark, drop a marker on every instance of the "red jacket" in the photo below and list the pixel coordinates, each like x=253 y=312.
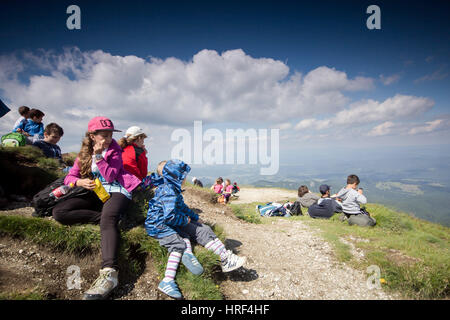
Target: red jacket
x=135 y=161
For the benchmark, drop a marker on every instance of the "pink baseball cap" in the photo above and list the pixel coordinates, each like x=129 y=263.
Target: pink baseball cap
x=101 y=123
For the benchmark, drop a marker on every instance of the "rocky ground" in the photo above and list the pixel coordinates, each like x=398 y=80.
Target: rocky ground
x=285 y=260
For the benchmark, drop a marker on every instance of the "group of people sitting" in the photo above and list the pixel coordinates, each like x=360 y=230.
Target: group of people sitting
x=31 y=127
x=225 y=189
x=121 y=167
x=347 y=201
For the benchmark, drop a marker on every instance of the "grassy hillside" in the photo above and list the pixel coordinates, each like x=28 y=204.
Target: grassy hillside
x=413 y=254
x=26 y=171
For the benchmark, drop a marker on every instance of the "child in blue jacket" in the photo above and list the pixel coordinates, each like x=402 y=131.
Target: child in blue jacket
x=173 y=224
x=32 y=128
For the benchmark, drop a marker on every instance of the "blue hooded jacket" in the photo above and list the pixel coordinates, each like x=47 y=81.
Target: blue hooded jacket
x=31 y=127
x=167 y=210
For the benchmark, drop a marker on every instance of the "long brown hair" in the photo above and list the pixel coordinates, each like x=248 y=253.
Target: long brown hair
x=85 y=156
x=126 y=141
x=302 y=190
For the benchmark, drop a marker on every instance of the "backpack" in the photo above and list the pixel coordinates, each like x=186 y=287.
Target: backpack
x=269 y=209
x=221 y=199
x=13 y=139
x=295 y=209
x=43 y=204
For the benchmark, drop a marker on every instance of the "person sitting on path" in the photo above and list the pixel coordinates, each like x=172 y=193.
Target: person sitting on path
x=218 y=186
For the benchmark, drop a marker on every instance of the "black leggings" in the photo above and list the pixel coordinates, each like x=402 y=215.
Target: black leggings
x=89 y=209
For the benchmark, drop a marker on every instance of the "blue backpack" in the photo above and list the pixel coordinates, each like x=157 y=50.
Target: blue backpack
x=13 y=139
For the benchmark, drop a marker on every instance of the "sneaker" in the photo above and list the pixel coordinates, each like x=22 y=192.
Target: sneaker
x=103 y=286
x=232 y=262
x=191 y=263
x=170 y=288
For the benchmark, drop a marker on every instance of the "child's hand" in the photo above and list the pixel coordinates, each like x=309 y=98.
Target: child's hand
x=189 y=220
x=86 y=183
x=99 y=147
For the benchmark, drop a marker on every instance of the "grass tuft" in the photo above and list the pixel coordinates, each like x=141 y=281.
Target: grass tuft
x=413 y=254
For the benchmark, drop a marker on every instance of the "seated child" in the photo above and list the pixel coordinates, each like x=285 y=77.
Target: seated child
x=134 y=154
x=218 y=186
x=236 y=189
x=227 y=191
x=197 y=182
x=173 y=224
x=32 y=128
x=23 y=111
x=325 y=206
x=351 y=200
x=52 y=135
x=306 y=197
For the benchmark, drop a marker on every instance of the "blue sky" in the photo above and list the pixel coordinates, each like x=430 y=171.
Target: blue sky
x=311 y=68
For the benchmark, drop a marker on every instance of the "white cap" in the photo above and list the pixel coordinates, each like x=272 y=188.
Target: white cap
x=134 y=131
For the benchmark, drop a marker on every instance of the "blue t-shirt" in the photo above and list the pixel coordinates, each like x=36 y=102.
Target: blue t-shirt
x=31 y=127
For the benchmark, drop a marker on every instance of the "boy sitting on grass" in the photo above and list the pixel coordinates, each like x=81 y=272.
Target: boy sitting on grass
x=351 y=198
x=325 y=206
x=173 y=224
x=52 y=135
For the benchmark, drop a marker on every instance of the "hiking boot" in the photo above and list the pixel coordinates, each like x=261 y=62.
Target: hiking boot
x=170 y=288
x=103 y=286
x=191 y=263
x=232 y=262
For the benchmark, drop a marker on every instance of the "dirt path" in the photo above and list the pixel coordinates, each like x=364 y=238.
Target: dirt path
x=248 y=195
x=285 y=259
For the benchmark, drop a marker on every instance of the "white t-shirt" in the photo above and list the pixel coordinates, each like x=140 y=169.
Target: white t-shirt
x=18 y=121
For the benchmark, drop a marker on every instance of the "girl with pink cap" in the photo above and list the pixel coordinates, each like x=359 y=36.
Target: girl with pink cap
x=100 y=157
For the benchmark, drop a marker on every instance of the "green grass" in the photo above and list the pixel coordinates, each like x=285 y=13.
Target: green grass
x=413 y=254
x=193 y=287
x=70 y=239
x=246 y=212
x=83 y=239
x=80 y=240
x=33 y=294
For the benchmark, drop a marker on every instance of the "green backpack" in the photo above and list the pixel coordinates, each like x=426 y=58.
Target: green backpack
x=13 y=139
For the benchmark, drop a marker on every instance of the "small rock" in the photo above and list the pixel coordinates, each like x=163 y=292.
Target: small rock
x=20 y=251
x=245 y=291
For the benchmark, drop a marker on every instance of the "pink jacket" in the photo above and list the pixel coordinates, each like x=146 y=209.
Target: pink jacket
x=110 y=167
x=218 y=188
